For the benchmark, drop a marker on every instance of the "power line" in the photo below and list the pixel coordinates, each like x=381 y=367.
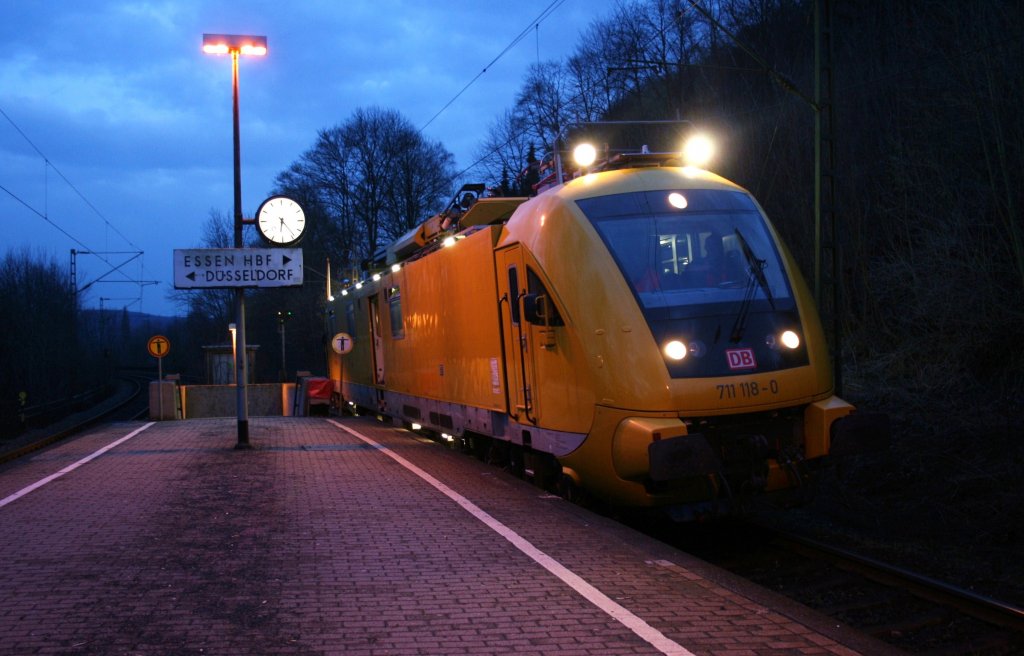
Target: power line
x=67 y=234
x=66 y=180
x=660 y=33
x=44 y=215
x=555 y=4
x=44 y=218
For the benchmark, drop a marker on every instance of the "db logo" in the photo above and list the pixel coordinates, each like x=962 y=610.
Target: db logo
x=741 y=358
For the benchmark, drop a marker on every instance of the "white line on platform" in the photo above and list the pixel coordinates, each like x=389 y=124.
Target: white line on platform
x=631 y=621
x=52 y=477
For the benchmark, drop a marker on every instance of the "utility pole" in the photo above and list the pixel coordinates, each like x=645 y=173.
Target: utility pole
x=826 y=244
x=827 y=283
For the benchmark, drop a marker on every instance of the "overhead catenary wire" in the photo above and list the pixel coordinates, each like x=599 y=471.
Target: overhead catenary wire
x=679 y=15
x=70 y=184
x=44 y=215
x=113 y=267
x=534 y=24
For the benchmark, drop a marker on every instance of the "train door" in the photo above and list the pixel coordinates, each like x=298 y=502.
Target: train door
x=378 y=341
x=519 y=350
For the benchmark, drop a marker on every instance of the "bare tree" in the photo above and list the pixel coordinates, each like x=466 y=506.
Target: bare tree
x=321 y=182
x=213 y=305
x=543 y=102
x=503 y=152
x=421 y=180
x=41 y=336
x=372 y=177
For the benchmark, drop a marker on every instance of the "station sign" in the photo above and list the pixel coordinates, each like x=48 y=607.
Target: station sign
x=237 y=267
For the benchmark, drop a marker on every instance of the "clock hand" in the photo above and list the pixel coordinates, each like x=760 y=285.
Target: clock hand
x=284 y=226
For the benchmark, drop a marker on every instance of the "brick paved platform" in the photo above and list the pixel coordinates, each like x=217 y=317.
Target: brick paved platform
x=319 y=542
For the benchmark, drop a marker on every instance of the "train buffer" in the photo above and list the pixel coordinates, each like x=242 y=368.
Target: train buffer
x=345 y=536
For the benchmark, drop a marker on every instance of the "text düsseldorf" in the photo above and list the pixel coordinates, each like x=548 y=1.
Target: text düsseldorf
x=248 y=275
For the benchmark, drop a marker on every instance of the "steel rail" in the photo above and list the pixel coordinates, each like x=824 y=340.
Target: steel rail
x=971 y=603
x=78 y=426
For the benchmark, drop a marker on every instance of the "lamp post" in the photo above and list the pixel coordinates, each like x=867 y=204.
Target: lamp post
x=282 y=317
x=233 y=329
x=236 y=45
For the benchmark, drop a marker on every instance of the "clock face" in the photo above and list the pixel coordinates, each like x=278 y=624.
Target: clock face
x=281 y=221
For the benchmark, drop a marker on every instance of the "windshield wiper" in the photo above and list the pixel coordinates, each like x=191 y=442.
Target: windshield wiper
x=757 y=279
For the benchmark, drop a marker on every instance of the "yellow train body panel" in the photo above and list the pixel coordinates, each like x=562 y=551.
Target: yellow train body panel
x=448 y=346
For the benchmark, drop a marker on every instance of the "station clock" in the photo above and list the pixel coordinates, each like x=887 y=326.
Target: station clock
x=281 y=221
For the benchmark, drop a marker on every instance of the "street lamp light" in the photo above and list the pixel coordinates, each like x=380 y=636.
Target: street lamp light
x=225 y=44
x=235 y=45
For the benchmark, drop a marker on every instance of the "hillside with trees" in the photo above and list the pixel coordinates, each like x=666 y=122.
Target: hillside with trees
x=928 y=186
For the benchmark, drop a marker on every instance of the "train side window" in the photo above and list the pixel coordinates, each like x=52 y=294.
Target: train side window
x=350 y=319
x=513 y=291
x=394 y=296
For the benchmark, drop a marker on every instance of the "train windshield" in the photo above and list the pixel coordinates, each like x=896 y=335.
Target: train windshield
x=705 y=271
x=684 y=249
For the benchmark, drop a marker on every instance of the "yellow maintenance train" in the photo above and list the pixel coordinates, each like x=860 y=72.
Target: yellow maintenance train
x=638 y=333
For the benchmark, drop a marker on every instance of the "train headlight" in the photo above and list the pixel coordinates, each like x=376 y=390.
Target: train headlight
x=675 y=350
x=790 y=339
x=677 y=200
x=584 y=154
x=698 y=150
x=376 y=277
x=448 y=242
x=395 y=268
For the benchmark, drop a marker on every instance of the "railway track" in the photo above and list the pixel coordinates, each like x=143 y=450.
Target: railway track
x=913 y=612
x=128 y=403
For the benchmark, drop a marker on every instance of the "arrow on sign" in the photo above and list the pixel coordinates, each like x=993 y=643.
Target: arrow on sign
x=191 y=276
x=285 y=259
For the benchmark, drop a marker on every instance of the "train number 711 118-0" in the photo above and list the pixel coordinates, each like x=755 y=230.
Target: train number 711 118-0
x=747 y=390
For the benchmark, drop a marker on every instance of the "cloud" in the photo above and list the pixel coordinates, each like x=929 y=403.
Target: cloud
x=163 y=14
x=94 y=95
x=119 y=97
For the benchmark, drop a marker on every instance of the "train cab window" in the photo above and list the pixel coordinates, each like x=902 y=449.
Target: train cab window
x=703 y=267
x=394 y=297
x=540 y=304
x=698 y=254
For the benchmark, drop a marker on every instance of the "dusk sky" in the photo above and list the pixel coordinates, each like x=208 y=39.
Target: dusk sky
x=116 y=128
